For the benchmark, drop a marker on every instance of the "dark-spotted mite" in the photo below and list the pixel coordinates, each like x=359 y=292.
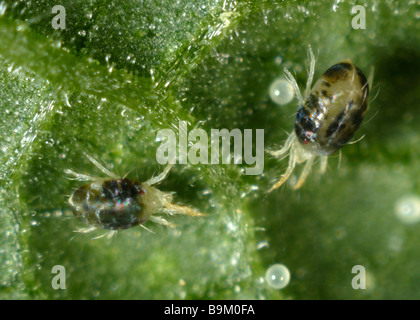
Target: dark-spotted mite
x=116 y=203
x=327 y=117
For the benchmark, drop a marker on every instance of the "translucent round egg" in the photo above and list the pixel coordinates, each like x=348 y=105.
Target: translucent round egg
x=407 y=209
x=281 y=91
x=277 y=276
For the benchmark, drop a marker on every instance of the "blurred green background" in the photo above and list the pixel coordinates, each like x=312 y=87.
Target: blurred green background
x=122 y=70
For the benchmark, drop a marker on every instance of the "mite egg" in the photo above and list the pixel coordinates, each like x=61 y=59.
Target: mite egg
x=277 y=276
x=117 y=203
x=281 y=91
x=327 y=118
x=407 y=209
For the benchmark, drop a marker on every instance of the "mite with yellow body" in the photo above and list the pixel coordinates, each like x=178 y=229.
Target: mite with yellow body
x=327 y=117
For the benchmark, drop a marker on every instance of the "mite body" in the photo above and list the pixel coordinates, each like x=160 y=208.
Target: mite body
x=117 y=203
x=327 y=117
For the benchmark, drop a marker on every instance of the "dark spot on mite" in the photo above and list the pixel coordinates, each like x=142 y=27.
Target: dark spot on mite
x=108 y=189
x=338 y=71
x=312 y=103
x=331 y=129
x=324 y=93
x=326 y=83
x=336 y=125
x=86 y=206
x=357 y=120
x=120 y=219
x=305 y=128
x=362 y=78
x=120 y=189
x=303 y=118
x=346 y=137
x=123 y=210
x=365 y=85
x=341 y=127
x=364 y=106
x=299 y=132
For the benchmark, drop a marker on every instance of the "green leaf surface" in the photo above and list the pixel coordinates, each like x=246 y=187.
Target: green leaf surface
x=123 y=70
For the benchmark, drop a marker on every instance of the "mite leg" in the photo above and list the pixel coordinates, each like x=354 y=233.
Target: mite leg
x=85 y=230
x=339 y=160
x=178 y=209
x=304 y=174
x=371 y=76
x=102 y=168
x=79 y=176
x=311 y=71
x=162 y=221
x=323 y=164
x=292 y=163
x=108 y=235
x=147 y=229
x=295 y=86
x=289 y=142
x=160 y=177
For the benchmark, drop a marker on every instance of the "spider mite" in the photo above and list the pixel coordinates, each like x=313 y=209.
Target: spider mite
x=116 y=203
x=327 y=118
